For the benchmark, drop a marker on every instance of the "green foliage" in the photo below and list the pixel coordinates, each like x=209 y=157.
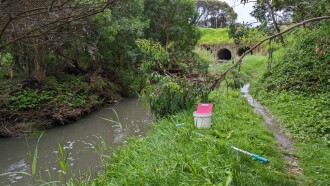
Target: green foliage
x=72 y=100
x=34 y=158
x=238 y=32
x=99 y=83
x=305 y=116
x=305 y=9
x=305 y=64
x=29 y=99
x=204 y=58
x=172 y=21
x=168 y=97
x=168 y=94
x=156 y=56
x=74 y=84
x=72 y=93
x=313 y=112
x=130 y=81
x=173 y=94
x=51 y=82
x=6 y=60
x=116 y=32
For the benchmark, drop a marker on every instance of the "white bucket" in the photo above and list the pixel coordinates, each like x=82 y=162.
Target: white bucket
x=202 y=120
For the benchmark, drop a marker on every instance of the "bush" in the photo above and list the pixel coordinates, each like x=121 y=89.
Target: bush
x=72 y=100
x=203 y=58
x=172 y=95
x=305 y=64
x=29 y=99
x=51 y=82
x=130 y=81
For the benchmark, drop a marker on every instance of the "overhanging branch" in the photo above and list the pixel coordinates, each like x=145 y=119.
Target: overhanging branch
x=52 y=24
x=223 y=74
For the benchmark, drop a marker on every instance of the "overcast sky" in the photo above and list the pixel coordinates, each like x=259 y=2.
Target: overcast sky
x=243 y=11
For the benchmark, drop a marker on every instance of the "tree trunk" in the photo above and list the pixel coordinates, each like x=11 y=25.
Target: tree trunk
x=271 y=11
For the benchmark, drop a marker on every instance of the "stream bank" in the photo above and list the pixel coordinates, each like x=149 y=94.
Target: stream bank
x=81 y=140
x=30 y=106
x=185 y=155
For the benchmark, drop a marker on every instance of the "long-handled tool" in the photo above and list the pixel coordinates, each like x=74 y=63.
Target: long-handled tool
x=253 y=155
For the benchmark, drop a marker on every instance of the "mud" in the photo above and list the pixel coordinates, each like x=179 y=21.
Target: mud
x=285 y=143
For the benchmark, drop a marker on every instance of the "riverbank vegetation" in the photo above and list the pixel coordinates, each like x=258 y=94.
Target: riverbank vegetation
x=148 y=47
x=91 y=61
x=175 y=152
x=291 y=81
x=296 y=90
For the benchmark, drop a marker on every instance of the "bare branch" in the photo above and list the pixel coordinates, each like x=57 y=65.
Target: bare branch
x=61 y=15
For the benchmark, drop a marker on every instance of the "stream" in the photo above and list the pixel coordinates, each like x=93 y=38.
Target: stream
x=285 y=143
x=78 y=140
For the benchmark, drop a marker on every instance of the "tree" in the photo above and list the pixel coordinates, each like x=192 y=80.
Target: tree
x=38 y=32
x=304 y=9
x=44 y=19
x=214 y=14
x=116 y=32
x=265 y=12
x=172 y=22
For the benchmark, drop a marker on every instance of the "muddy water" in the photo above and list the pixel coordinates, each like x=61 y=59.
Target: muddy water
x=284 y=141
x=78 y=140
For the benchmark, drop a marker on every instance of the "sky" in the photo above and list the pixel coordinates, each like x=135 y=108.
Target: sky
x=243 y=11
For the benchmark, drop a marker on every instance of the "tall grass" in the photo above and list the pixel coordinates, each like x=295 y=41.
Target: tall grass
x=172 y=155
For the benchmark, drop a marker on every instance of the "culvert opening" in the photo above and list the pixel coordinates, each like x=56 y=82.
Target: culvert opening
x=224 y=54
x=242 y=50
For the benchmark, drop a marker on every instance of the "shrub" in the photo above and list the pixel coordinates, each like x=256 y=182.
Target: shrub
x=29 y=99
x=305 y=64
x=172 y=95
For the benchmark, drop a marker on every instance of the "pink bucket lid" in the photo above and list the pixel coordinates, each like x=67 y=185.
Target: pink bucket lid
x=204 y=108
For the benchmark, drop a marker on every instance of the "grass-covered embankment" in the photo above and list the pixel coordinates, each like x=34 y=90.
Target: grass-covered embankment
x=211 y=36
x=305 y=116
x=185 y=155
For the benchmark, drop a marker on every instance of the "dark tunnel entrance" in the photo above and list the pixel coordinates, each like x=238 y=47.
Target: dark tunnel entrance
x=224 y=54
x=242 y=50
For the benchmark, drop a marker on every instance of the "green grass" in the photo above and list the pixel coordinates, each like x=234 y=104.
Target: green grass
x=214 y=36
x=172 y=155
x=303 y=116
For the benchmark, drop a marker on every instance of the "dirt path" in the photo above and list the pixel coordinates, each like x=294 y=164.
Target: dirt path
x=284 y=141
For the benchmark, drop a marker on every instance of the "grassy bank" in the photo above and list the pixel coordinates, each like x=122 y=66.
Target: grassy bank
x=214 y=36
x=303 y=116
x=175 y=154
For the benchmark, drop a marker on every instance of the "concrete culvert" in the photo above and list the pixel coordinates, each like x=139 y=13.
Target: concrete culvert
x=224 y=54
x=242 y=50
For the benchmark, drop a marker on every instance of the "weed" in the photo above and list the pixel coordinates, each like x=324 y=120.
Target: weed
x=190 y=156
x=304 y=116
